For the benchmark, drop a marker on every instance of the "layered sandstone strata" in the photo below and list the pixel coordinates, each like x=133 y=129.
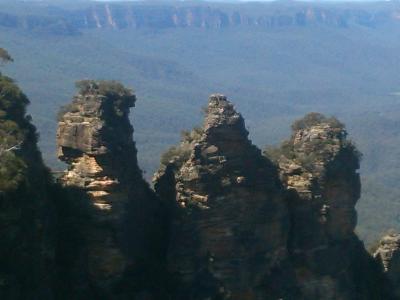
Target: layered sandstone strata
x=95 y=139
x=230 y=222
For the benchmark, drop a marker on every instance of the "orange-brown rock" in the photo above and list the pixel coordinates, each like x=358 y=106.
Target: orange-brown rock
x=230 y=222
x=124 y=239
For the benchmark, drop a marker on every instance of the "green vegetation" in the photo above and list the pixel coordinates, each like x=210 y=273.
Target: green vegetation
x=273 y=76
x=23 y=195
x=14 y=126
x=109 y=88
x=12 y=171
x=274 y=153
x=313 y=119
x=115 y=93
x=41 y=223
x=181 y=153
x=316 y=149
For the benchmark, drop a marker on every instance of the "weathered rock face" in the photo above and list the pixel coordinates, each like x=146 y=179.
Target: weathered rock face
x=230 y=222
x=95 y=138
x=322 y=168
x=388 y=256
x=318 y=165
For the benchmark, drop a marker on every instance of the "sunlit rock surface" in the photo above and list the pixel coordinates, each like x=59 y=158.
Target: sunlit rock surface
x=125 y=238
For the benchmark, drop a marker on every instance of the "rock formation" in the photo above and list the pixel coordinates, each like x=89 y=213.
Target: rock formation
x=388 y=256
x=239 y=232
x=95 y=139
x=225 y=221
x=230 y=222
x=318 y=166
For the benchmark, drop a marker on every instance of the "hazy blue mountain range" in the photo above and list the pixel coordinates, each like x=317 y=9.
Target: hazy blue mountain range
x=276 y=61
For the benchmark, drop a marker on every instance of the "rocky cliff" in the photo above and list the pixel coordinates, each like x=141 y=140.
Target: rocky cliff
x=240 y=232
x=59 y=19
x=226 y=222
x=123 y=239
x=230 y=222
x=318 y=166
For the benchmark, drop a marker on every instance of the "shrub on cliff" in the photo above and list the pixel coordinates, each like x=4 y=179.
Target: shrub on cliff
x=274 y=153
x=313 y=119
x=181 y=153
x=312 y=146
x=113 y=91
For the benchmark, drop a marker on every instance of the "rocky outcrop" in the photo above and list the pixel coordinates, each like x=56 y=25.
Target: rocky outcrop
x=237 y=231
x=388 y=256
x=321 y=165
x=226 y=223
x=94 y=138
x=230 y=222
x=318 y=166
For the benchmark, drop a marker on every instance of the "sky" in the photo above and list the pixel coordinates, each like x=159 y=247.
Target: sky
x=241 y=0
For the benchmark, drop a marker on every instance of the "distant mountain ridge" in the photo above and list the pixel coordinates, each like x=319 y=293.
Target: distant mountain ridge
x=72 y=19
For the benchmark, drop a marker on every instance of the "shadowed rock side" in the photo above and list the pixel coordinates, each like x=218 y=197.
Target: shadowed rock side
x=124 y=239
x=230 y=222
x=318 y=165
x=388 y=256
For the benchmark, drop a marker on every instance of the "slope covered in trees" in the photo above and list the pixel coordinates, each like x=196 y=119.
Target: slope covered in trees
x=223 y=222
x=274 y=75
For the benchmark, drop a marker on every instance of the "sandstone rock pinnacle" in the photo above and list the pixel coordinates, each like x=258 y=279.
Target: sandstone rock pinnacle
x=94 y=138
x=230 y=221
x=318 y=166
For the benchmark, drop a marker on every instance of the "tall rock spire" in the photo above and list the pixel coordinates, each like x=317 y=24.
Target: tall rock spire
x=95 y=139
x=229 y=223
x=319 y=167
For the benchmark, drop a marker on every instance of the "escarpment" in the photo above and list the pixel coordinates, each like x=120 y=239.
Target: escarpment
x=124 y=239
x=230 y=222
x=318 y=165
